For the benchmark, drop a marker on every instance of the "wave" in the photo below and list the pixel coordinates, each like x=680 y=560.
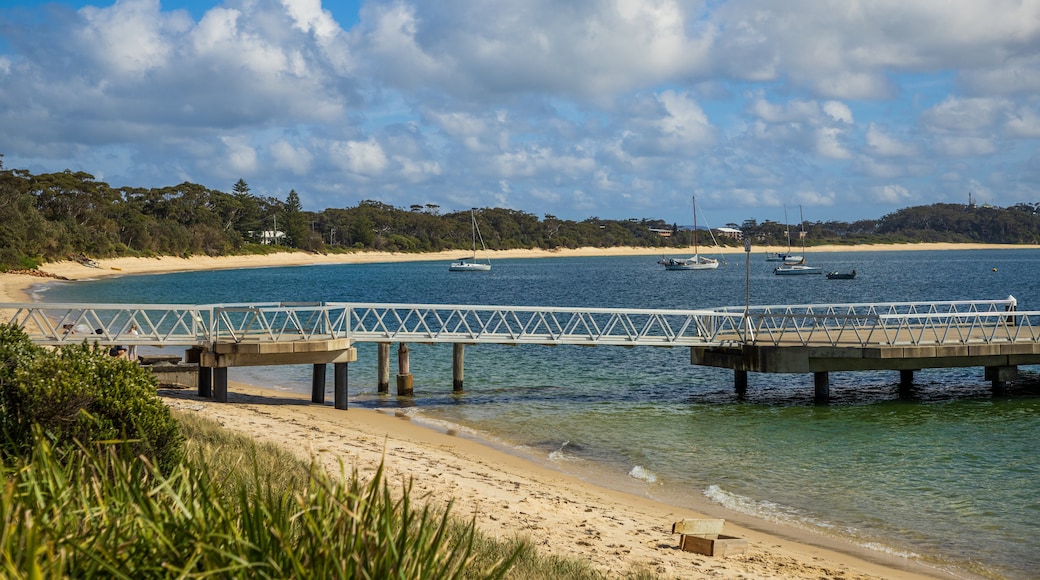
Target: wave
x=639 y=472
x=788 y=516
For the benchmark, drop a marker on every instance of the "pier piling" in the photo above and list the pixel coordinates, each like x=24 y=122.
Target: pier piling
x=906 y=378
x=318 y=384
x=205 y=382
x=458 y=358
x=383 y=383
x=220 y=384
x=339 y=371
x=740 y=382
x=822 y=383
x=999 y=378
x=404 y=375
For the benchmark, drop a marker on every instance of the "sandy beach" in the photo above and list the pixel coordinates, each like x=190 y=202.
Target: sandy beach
x=505 y=493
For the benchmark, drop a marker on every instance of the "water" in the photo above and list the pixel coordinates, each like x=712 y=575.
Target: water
x=950 y=477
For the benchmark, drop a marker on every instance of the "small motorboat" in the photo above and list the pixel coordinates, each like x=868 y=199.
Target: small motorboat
x=841 y=275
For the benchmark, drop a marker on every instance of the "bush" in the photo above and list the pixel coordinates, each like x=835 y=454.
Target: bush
x=80 y=394
x=91 y=515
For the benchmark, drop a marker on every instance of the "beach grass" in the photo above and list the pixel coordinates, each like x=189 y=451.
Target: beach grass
x=238 y=508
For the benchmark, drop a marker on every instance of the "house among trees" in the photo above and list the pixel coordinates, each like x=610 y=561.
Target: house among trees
x=731 y=233
x=268 y=237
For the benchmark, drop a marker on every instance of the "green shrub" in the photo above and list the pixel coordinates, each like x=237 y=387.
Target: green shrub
x=79 y=393
x=91 y=514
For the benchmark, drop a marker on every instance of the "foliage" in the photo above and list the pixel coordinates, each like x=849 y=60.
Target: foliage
x=92 y=514
x=51 y=216
x=79 y=395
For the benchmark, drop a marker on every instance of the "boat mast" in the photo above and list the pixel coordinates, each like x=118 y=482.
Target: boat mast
x=801 y=234
x=696 y=253
x=787 y=230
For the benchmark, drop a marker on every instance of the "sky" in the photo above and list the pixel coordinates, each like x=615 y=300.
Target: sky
x=841 y=109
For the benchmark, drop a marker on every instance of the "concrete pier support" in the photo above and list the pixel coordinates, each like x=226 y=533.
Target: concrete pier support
x=458 y=370
x=220 y=384
x=999 y=377
x=906 y=383
x=205 y=382
x=740 y=382
x=383 y=369
x=822 y=383
x=906 y=378
x=318 y=384
x=404 y=375
x=339 y=372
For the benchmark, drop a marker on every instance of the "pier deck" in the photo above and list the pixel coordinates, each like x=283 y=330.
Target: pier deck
x=814 y=338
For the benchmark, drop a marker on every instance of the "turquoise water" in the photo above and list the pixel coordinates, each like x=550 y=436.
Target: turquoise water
x=949 y=476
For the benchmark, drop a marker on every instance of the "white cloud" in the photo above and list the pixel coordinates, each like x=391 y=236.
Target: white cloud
x=838 y=111
x=1023 y=123
x=623 y=106
x=130 y=37
x=892 y=194
x=240 y=157
x=964 y=114
x=362 y=158
x=828 y=143
x=965 y=146
x=298 y=160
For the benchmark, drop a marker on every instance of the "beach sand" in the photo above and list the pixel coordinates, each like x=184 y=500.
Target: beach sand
x=506 y=494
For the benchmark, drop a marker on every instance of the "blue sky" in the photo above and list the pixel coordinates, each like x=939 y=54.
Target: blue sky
x=850 y=109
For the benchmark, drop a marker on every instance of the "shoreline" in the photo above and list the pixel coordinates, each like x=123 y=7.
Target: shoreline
x=15 y=287
x=507 y=493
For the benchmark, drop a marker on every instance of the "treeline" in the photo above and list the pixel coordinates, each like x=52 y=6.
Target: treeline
x=56 y=216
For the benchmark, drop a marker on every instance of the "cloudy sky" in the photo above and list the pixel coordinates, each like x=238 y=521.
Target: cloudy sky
x=850 y=109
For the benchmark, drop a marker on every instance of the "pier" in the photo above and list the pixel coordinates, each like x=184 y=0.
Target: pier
x=811 y=338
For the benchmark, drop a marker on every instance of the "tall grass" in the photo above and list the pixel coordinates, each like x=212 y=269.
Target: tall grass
x=236 y=509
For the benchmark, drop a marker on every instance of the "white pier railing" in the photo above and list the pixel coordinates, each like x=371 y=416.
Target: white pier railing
x=896 y=323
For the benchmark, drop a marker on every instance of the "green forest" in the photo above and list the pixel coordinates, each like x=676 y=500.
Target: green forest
x=57 y=216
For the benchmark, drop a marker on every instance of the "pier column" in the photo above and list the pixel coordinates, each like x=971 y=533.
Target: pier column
x=822 y=382
x=220 y=384
x=205 y=382
x=999 y=378
x=383 y=369
x=318 y=384
x=458 y=358
x=339 y=371
x=906 y=383
x=906 y=378
x=404 y=376
x=740 y=382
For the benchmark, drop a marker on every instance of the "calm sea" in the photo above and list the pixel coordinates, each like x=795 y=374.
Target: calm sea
x=950 y=476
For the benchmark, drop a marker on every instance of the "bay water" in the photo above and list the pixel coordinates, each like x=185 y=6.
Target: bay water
x=949 y=476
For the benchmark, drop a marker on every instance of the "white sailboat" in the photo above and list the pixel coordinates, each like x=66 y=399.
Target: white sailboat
x=799 y=267
x=785 y=257
x=470 y=263
x=697 y=261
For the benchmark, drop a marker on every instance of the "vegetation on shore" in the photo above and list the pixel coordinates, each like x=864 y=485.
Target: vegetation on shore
x=55 y=216
x=99 y=478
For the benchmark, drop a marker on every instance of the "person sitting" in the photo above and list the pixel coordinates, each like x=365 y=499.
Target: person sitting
x=118 y=351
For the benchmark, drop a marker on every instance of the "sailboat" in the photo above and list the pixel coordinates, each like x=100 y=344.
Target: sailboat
x=697 y=262
x=785 y=257
x=799 y=267
x=470 y=263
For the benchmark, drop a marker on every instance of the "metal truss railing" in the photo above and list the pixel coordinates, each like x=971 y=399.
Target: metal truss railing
x=902 y=323
x=156 y=324
x=436 y=323
x=893 y=323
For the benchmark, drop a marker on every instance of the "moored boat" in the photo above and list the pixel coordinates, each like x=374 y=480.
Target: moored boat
x=470 y=263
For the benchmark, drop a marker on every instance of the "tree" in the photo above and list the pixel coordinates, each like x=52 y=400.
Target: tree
x=295 y=222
